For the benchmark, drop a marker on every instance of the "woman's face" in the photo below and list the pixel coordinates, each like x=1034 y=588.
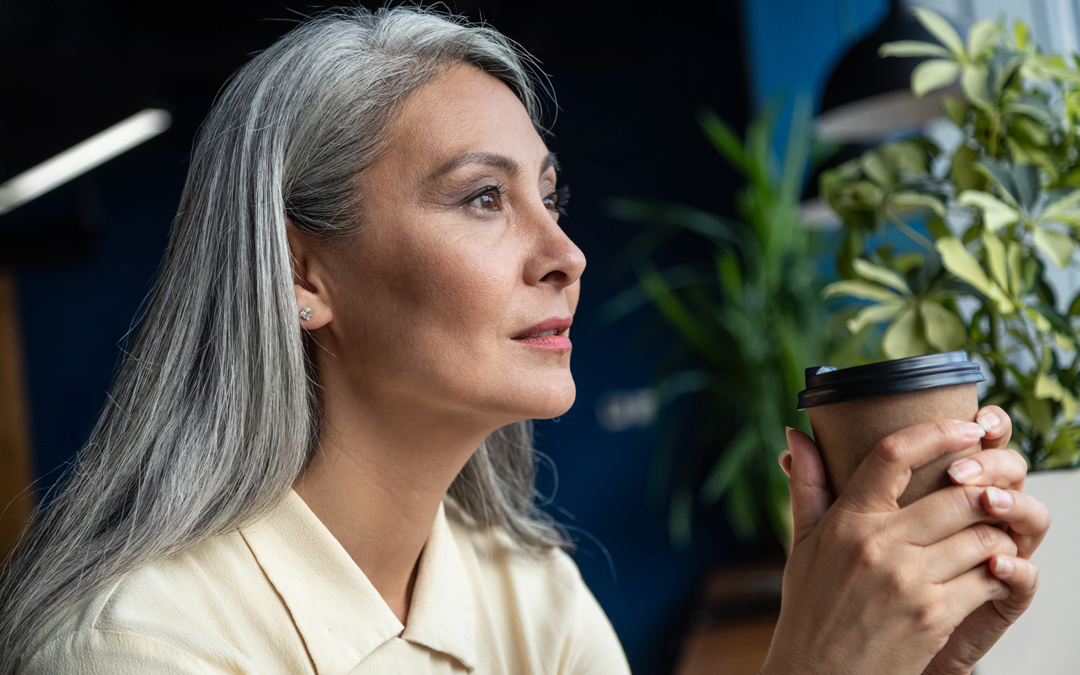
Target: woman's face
x=457 y=293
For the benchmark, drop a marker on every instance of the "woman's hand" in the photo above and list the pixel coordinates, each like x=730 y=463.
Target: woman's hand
x=871 y=588
x=1025 y=520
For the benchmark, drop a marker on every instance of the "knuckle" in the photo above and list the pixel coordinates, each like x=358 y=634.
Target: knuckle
x=966 y=500
x=943 y=430
x=928 y=617
x=1015 y=458
x=993 y=540
x=892 y=449
x=871 y=553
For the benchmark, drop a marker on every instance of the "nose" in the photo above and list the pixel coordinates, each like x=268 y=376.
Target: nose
x=555 y=259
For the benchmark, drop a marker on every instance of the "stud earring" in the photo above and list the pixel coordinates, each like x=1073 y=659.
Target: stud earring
x=306 y=313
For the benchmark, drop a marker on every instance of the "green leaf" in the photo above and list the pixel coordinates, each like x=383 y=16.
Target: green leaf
x=995 y=254
x=875 y=167
x=941 y=29
x=1062 y=209
x=933 y=74
x=1058 y=245
x=867 y=193
x=677 y=314
x=956 y=109
x=729 y=273
x=944 y=330
x=907 y=156
x=859 y=289
x=722 y=137
x=981 y=37
x=965 y=177
x=1041 y=322
x=1037 y=108
x=1026 y=178
x=1038 y=411
x=913 y=48
x=996 y=214
x=973 y=82
x=1047 y=387
x=1020 y=34
x=874 y=314
x=1002 y=178
x=964 y=266
x=1016 y=272
x=882 y=275
x=709 y=225
x=797 y=153
x=909 y=200
x=904 y=337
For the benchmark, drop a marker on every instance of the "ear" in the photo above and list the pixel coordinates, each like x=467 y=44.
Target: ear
x=308 y=283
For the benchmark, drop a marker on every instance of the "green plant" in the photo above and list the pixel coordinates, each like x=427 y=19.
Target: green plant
x=753 y=320
x=1001 y=210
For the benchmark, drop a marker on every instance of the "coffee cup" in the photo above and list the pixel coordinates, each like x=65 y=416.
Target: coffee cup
x=852 y=409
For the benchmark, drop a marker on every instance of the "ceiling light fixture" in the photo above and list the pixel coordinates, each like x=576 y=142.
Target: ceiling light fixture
x=83 y=157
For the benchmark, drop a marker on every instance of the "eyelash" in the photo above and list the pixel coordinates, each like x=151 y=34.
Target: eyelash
x=560 y=197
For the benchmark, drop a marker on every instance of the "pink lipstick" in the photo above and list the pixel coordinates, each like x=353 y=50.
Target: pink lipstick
x=550 y=335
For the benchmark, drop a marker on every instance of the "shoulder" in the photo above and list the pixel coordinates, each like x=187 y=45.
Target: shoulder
x=557 y=620
x=206 y=609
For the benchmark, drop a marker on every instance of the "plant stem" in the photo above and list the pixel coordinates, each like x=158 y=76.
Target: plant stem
x=911 y=233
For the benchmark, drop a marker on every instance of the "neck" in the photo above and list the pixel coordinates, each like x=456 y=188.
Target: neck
x=376 y=482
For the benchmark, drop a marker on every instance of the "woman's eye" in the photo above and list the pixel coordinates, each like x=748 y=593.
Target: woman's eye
x=490 y=199
x=556 y=201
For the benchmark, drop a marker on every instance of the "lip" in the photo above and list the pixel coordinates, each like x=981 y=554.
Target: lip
x=559 y=342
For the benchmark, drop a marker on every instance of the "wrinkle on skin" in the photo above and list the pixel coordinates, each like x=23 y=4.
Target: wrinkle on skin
x=420 y=307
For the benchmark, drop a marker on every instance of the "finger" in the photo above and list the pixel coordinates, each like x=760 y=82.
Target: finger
x=940 y=515
x=966 y=550
x=967 y=592
x=884 y=474
x=998 y=426
x=809 y=492
x=1028 y=518
x=1004 y=468
x=1022 y=576
x=785 y=462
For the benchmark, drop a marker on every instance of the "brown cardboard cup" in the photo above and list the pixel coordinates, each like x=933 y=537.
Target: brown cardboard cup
x=853 y=409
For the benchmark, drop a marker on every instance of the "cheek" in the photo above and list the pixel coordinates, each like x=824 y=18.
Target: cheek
x=453 y=287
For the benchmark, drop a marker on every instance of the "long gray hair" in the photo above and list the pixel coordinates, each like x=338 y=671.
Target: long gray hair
x=214 y=413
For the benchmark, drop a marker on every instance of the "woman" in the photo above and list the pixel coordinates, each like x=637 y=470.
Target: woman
x=317 y=458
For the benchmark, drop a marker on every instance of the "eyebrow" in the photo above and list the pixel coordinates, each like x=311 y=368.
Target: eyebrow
x=490 y=159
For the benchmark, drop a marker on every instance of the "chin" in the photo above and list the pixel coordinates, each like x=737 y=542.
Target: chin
x=556 y=403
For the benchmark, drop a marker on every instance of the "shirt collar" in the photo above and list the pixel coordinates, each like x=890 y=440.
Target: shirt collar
x=339 y=614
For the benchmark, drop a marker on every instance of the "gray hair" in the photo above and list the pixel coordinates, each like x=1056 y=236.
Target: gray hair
x=214 y=413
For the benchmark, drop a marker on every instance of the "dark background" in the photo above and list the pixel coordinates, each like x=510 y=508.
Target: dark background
x=628 y=76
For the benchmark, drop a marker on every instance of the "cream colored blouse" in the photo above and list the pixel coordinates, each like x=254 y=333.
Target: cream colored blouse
x=283 y=596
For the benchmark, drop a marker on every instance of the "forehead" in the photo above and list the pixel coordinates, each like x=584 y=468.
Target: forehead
x=463 y=110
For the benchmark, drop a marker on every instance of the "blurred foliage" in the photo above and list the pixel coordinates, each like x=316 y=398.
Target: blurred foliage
x=753 y=318
x=999 y=210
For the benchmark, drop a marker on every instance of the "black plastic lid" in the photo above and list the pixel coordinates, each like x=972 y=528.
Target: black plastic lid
x=826 y=385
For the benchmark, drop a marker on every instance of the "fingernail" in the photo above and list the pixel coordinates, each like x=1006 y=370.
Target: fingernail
x=989 y=421
x=999 y=499
x=965 y=470
x=971 y=430
x=787 y=435
x=1003 y=566
x=783 y=456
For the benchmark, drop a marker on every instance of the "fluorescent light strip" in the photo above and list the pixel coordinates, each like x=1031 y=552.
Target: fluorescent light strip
x=80 y=158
